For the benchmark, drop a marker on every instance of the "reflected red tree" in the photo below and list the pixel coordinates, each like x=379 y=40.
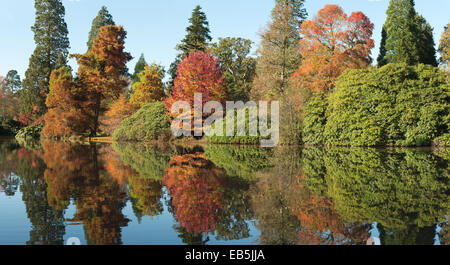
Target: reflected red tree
x=196 y=190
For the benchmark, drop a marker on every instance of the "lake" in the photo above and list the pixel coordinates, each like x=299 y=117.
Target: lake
x=133 y=194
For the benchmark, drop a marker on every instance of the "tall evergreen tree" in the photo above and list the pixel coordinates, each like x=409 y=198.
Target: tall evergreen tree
x=52 y=44
x=279 y=51
x=197 y=38
x=103 y=18
x=409 y=37
x=140 y=66
x=382 y=56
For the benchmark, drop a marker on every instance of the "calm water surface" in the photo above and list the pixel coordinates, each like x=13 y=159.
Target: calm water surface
x=145 y=194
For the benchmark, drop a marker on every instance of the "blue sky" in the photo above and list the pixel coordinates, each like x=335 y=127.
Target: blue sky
x=155 y=26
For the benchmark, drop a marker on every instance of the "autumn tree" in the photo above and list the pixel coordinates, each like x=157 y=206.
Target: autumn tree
x=200 y=72
x=332 y=43
x=100 y=72
x=444 y=46
x=408 y=36
x=103 y=18
x=52 y=44
x=149 y=88
x=119 y=110
x=197 y=39
x=64 y=117
x=238 y=66
x=279 y=54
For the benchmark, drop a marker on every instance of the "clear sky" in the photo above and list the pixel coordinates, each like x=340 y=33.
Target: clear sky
x=155 y=26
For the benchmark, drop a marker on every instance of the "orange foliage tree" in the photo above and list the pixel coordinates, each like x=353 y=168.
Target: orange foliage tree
x=332 y=43
x=199 y=72
x=101 y=72
x=150 y=88
x=63 y=117
x=119 y=110
x=196 y=190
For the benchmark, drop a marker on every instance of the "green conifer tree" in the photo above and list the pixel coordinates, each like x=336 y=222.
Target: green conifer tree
x=409 y=37
x=52 y=44
x=197 y=38
x=140 y=66
x=104 y=18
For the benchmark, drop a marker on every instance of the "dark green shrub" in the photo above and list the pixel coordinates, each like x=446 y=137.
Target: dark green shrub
x=314 y=122
x=145 y=125
x=395 y=105
x=247 y=122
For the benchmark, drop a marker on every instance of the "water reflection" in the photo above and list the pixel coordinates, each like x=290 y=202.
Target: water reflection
x=224 y=194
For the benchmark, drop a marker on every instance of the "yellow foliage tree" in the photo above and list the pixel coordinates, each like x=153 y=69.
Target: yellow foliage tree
x=150 y=88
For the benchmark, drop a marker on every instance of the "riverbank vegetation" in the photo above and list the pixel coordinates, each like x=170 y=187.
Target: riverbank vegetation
x=319 y=67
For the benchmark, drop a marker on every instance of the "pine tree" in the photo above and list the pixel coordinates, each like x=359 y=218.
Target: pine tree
x=52 y=44
x=409 y=37
x=103 y=18
x=140 y=66
x=279 y=51
x=197 y=38
x=382 y=56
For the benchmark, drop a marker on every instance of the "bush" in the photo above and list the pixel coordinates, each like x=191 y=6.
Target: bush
x=396 y=105
x=30 y=137
x=147 y=124
x=443 y=141
x=314 y=122
x=247 y=139
x=9 y=127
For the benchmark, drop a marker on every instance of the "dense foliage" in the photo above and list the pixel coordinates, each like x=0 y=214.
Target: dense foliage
x=396 y=105
x=52 y=44
x=149 y=88
x=238 y=67
x=333 y=42
x=145 y=125
x=241 y=128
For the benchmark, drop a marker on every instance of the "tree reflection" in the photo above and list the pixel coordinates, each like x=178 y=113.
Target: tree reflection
x=320 y=224
x=405 y=191
x=197 y=193
x=77 y=171
x=206 y=201
x=9 y=181
x=271 y=199
x=47 y=223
